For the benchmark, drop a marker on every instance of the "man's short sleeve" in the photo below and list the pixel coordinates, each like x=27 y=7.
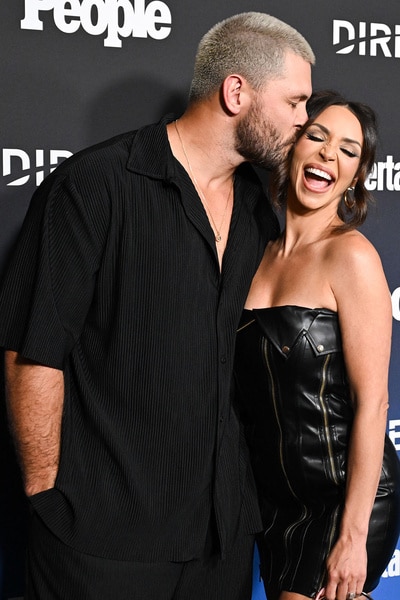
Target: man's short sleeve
x=49 y=284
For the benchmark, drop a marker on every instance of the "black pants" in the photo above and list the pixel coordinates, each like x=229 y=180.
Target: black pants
x=57 y=572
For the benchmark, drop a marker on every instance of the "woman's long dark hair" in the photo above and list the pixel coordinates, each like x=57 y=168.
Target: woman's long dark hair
x=355 y=215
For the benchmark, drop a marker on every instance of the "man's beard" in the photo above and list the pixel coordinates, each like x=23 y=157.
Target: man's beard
x=259 y=142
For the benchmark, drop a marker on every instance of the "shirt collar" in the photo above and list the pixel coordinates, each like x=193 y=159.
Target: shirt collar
x=151 y=153
x=151 y=156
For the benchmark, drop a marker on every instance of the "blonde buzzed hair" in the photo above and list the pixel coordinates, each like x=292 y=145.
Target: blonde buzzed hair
x=251 y=44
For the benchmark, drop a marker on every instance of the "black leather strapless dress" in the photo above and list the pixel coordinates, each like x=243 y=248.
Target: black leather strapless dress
x=293 y=396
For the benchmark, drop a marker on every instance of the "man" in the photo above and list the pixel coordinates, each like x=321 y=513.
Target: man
x=119 y=313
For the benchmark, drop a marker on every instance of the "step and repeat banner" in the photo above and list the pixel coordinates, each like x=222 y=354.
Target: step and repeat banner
x=77 y=72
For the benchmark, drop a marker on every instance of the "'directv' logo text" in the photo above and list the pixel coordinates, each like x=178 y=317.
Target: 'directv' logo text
x=366 y=39
x=20 y=167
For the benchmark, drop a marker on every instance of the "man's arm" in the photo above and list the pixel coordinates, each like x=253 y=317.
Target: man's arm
x=35 y=397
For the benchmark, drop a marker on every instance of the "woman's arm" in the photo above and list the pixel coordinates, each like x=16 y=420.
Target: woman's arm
x=35 y=397
x=365 y=317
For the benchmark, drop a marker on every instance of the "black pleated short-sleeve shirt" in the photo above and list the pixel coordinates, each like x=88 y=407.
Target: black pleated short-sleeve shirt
x=115 y=280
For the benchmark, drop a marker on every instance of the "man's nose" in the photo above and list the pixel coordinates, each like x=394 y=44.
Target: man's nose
x=302 y=116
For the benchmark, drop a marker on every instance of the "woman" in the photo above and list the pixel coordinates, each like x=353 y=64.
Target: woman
x=312 y=368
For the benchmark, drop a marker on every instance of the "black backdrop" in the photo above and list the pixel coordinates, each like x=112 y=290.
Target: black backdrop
x=74 y=73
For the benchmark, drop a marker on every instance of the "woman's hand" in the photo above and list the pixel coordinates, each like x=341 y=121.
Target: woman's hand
x=346 y=569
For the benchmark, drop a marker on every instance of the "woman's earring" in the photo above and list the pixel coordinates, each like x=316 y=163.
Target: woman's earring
x=350 y=203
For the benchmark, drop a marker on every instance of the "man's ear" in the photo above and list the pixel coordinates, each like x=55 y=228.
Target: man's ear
x=233 y=92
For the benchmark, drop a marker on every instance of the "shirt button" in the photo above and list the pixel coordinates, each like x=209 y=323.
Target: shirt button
x=320 y=348
x=285 y=349
x=223 y=359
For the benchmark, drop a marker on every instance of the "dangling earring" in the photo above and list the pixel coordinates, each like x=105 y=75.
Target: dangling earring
x=349 y=203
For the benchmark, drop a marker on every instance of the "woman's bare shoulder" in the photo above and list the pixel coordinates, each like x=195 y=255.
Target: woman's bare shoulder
x=351 y=249
x=355 y=269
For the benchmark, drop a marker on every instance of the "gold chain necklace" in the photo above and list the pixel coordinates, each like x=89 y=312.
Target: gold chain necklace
x=217 y=230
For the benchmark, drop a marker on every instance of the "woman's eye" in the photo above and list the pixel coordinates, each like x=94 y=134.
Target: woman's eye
x=313 y=137
x=350 y=153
